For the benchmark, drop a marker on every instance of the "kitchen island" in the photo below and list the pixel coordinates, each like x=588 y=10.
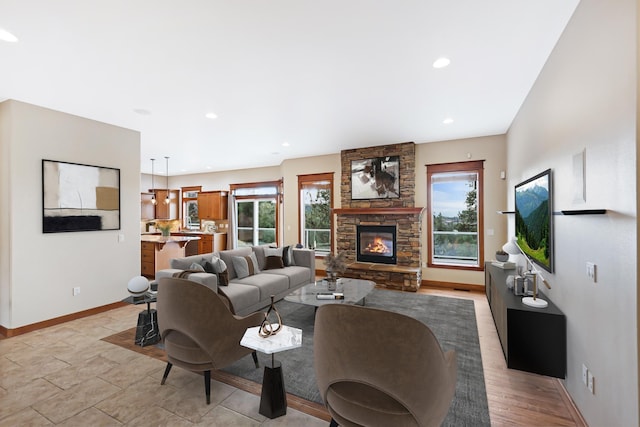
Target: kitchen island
x=157 y=251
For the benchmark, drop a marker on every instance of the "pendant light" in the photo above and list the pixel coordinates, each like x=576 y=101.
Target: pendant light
x=167 y=199
x=153 y=189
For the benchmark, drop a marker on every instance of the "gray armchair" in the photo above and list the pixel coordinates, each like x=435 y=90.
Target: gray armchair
x=198 y=330
x=378 y=368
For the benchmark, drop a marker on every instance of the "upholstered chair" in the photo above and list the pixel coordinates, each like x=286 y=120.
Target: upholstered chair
x=198 y=330
x=379 y=368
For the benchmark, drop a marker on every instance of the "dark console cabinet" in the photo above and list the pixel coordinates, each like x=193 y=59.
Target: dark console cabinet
x=533 y=339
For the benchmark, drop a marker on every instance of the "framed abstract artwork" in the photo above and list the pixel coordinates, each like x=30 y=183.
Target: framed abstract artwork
x=77 y=197
x=375 y=178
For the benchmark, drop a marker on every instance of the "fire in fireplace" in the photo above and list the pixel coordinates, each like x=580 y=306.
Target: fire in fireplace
x=376 y=243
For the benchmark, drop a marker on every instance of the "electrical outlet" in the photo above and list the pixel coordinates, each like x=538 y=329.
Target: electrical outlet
x=590 y=382
x=591 y=271
x=76 y=291
x=585 y=374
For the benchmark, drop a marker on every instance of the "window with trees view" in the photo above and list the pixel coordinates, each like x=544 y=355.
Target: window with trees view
x=257 y=213
x=455 y=215
x=190 y=207
x=315 y=211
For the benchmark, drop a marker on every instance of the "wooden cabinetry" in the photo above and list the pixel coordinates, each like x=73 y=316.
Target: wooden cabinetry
x=212 y=205
x=167 y=211
x=532 y=339
x=148 y=259
x=212 y=243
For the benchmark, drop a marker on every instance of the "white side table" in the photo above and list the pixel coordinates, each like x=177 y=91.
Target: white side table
x=273 y=400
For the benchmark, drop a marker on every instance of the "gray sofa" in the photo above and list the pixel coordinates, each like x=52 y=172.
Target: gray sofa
x=251 y=293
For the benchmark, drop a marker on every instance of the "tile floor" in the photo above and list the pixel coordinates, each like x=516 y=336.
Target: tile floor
x=65 y=375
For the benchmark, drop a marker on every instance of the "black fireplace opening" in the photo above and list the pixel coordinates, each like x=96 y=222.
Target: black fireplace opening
x=376 y=243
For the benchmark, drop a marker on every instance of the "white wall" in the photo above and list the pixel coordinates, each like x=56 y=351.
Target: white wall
x=491 y=149
x=40 y=270
x=585 y=99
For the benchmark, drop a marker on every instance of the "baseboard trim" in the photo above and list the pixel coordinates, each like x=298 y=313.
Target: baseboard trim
x=452 y=285
x=570 y=404
x=8 y=333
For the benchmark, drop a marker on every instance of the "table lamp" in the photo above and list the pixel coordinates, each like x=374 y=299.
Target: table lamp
x=138 y=285
x=512 y=248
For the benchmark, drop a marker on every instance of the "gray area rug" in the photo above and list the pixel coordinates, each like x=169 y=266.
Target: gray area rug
x=452 y=320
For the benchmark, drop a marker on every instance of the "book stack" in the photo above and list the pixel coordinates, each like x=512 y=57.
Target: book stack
x=506 y=265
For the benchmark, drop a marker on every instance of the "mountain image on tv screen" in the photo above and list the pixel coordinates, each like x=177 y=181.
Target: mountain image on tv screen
x=533 y=221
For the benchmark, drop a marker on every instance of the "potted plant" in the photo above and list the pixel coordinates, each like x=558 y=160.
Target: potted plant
x=502 y=256
x=334 y=264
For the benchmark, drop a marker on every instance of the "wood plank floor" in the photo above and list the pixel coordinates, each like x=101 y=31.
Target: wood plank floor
x=515 y=398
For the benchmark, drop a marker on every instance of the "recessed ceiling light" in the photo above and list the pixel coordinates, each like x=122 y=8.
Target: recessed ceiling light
x=141 y=111
x=447 y=121
x=441 y=62
x=285 y=144
x=211 y=116
x=7 y=36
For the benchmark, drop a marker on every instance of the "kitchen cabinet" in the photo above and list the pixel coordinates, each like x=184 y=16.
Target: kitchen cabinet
x=212 y=205
x=212 y=243
x=167 y=211
x=157 y=251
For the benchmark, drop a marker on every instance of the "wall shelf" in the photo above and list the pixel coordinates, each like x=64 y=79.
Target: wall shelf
x=568 y=212
x=584 y=212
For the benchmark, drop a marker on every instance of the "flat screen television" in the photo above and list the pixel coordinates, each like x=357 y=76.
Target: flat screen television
x=534 y=218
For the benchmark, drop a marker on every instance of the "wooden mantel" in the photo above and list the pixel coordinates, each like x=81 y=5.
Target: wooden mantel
x=378 y=211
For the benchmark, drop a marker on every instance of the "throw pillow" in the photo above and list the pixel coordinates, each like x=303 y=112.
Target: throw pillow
x=287 y=256
x=196 y=267
x=273 y=252
x=245 y=266
x=273 y=262
x=219 y=268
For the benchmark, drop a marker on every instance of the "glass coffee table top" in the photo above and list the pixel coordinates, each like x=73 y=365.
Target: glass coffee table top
x=354 y=290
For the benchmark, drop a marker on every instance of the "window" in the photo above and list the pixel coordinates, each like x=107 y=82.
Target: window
x=455 y=226
x=190 y=207
x=257 y=210
x=315 y=203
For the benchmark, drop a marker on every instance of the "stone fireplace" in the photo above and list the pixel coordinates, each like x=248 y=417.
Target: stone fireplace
x=382 y=214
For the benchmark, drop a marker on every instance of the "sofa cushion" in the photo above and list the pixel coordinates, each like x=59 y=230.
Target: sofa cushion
x=267 y=284
x=295 y=275
x=245 y=265
x=241 y=296
x=228 y=255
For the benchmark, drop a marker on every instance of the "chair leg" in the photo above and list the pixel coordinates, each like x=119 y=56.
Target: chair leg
x=255 y=359
x=207 y=385
x=333 y=423
x=166 y=373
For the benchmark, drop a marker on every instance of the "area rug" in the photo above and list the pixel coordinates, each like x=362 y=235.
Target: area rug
x=452 y=320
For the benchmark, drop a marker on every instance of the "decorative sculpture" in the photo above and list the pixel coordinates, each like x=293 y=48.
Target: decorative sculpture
x=267 y=327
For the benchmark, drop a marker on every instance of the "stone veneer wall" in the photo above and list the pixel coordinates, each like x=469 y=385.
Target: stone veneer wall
x=401 y=212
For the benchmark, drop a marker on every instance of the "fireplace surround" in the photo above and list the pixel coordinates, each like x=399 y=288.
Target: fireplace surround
x=403 y=273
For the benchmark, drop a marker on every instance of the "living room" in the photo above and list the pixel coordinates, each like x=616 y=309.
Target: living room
x=580 y=101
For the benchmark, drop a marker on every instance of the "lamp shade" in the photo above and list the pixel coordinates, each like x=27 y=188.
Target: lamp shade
x=511 y=247
x=138 y=285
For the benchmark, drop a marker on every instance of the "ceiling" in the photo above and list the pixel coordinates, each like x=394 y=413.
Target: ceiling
x=318 y=75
